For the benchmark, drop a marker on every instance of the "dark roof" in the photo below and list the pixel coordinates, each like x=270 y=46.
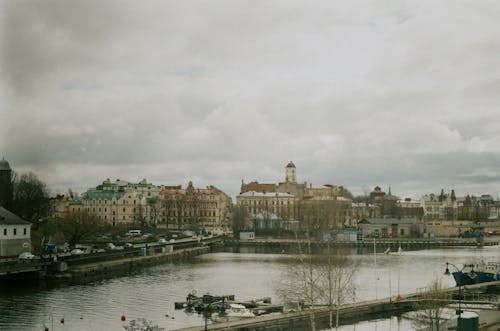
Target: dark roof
x=290 y=165
x=4 y=165
x=258 y=187
x=8 y=218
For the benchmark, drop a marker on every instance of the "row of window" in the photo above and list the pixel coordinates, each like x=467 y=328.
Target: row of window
x=124 y=202
x=171 y=213
x=14 y=231
x=266 y=202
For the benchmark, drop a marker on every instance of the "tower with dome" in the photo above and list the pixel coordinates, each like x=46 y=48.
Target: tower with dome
x=6 y=190
x=290 y=176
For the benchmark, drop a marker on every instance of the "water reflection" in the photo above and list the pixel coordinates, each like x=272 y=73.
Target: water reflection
x=151 y=292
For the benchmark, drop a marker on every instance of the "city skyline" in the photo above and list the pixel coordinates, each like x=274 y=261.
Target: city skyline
x=356 y=94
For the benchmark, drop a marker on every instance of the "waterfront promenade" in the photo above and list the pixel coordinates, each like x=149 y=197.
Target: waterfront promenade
x=87 y=267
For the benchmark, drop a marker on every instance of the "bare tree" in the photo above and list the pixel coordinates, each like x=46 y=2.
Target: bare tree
x=338 y=284
x=169 y=209
x=301 y=282
x=78 y=225
x=431 y=307
x=31 y=198
x=316 y=279
x=239 y=219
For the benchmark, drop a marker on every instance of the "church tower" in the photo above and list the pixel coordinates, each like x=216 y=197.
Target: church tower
x=290 y=176
x=6 y=191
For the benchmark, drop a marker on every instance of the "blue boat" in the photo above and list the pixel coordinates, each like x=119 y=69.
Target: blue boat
x=476 y=273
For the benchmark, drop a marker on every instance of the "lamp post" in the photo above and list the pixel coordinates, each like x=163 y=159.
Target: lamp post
x=447 y=273
x=207 y=302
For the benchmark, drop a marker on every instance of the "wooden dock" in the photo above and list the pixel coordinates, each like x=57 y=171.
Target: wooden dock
x=351 y=313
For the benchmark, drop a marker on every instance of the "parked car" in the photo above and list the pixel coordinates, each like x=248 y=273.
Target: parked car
x=133 y=233
x=26 y=256
x=110 y=246
x=76 y=251
x=128 y=245
x=162 y=241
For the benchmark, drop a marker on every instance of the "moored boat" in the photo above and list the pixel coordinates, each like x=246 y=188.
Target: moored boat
x=476 y=273
x=232 y=312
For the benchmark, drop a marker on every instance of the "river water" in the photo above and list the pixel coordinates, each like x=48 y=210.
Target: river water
x=151 y=292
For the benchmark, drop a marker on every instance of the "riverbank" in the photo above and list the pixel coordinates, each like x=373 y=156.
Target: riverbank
x=293 y=245
x=89 y=272
x=151 y=292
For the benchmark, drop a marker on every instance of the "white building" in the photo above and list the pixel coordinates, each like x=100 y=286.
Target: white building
x=15 y=234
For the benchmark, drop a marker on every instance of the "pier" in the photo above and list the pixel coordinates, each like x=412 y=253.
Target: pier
x=351 y=313
x=15 y=266
x=87 y=267
x=290 y=246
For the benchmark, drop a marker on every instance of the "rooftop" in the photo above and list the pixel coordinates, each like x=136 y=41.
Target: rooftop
x=4 y=165
x=266 y=194
x=9 y=218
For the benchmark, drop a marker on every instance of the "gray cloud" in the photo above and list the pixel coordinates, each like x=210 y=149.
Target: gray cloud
x=361 y=93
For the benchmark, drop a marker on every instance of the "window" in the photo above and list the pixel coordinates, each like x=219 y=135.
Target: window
x=15 y=231
x=24 y=231
x=4 y=232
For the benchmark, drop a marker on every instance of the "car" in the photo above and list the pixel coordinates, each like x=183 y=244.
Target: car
x=171 y=240
x=162 y=241
x=133 y=233
x=26 y=256
x=128 y=245
x=76 y=251
x=110 y=246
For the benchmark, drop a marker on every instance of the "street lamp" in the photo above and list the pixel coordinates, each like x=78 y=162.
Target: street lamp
x=206 y=304
x=447 y=273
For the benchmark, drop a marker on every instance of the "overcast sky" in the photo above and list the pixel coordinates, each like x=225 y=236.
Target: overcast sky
x=357 y=93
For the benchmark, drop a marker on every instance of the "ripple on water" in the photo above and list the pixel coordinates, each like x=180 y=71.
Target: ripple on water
x=151 y=293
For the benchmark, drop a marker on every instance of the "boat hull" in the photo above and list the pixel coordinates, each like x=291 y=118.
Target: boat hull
x=462 y=278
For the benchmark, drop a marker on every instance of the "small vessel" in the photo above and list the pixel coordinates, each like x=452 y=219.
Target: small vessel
x=476 y=273
x=232 y=312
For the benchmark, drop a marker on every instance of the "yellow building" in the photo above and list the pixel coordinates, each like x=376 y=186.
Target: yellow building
x=193 y=207
x=280 y=204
